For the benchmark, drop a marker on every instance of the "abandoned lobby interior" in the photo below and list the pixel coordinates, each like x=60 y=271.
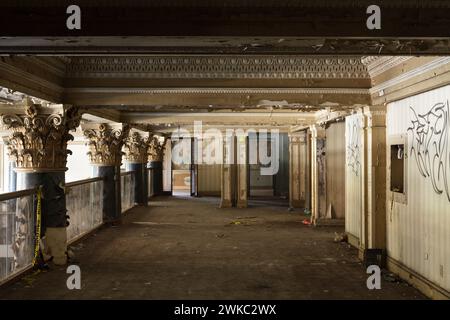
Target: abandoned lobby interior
x=90 y=160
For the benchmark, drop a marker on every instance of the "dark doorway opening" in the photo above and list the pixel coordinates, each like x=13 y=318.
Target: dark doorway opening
x=268 y=187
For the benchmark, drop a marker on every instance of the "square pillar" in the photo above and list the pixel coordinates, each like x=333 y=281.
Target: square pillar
x=366 y=178
x=228 y=171
x=297 y=169
x=375 y=177
x=242 y=170
x=317 y=172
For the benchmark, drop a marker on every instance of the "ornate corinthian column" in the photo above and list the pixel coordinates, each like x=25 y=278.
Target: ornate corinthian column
x=105 y=143
x=37 y=146
x=155 y=161
x=136 y=154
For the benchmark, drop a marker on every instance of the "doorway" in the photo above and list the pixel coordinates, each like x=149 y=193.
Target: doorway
x=268 y=186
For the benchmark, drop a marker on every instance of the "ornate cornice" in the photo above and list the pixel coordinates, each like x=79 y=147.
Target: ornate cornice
x=222 y=90
x=377 y=65
x=437 y=63
x=218 y=67
x=105 y=144
x=20 y=73
x=136 y=146
x=39 y=140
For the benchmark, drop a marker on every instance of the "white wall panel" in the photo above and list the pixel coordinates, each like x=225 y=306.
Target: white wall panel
x=335 y=169
x=418 y=231
x=353 y=174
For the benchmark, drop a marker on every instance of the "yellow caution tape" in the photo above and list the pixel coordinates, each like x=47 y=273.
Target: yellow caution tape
x=38 y=224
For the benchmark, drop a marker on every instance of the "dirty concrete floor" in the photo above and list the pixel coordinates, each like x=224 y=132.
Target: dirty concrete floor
x=189 y=249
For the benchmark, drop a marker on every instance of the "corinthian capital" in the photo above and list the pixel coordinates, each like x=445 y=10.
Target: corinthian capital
x=39 y=137
x=156 y=148
x=105 y=143
x=136 y=146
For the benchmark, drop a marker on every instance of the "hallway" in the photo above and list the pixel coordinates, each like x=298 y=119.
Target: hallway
x=189 y=249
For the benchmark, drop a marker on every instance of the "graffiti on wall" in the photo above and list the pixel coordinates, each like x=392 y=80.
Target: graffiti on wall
x=354 y=148
x=430 y=149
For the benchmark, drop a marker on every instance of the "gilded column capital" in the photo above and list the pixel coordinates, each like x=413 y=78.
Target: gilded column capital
x=136 y=146
x=38 y=142
x=156 y=147
x=105 y=143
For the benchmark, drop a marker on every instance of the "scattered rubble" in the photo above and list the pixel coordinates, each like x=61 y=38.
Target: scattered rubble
x=340 y=237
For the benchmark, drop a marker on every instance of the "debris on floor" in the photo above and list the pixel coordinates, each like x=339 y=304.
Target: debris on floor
x=29 y=280
x=340 y=237
x=77 y=247
x=390 y=277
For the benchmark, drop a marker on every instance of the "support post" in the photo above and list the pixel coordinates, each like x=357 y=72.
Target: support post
x=228 y=172
x=155 y=162
x=242 y=169
x=105 y=154
x=136 y=154
x=317 y=165
x=12 y=176
x=297 y=169
x=374 y=177
x=366 y=178
x=38 y=147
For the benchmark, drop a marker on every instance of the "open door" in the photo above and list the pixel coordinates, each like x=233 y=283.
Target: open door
x=194 y=167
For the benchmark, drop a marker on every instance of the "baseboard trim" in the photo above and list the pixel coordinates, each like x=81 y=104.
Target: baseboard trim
x=209 y=194
x=323 y=222
x=17 y=276
x=419 y=282
x=353 y=240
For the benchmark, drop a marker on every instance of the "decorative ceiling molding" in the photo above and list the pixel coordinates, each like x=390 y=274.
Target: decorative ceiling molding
x=55 y=65
x=222 y=90
x=377 y=65
x=23 y=74
x=439 y=62
x=222 y=67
